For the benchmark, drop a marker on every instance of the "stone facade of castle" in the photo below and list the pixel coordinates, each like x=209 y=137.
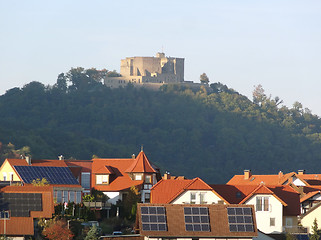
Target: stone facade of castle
x=151 y=72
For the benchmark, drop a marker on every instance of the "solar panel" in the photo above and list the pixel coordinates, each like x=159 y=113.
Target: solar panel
x=240 y=219
x=153 y=218
x=196 y=219
x=54 y=175
x=20 y=204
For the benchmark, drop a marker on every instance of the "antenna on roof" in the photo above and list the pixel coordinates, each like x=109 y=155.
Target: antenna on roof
x=142 y=148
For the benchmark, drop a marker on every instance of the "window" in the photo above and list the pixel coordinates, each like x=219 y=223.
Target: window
x=11 y=176
x=262 y=203
x=59 y=196
x=4 y=176
x=85 y=180
x=102 y=179
x=147 y=197
x=202 y=198
x=148 y=179
x=78 y=197
x=138 y=177
x=272 y=222
x=193 y=197
x=72 y=196
x=288 y=222
x=65 y=197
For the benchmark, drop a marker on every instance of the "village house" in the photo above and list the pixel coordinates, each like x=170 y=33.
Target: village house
x=21 y=206
x=178 y=190
x=115 y=177
x=195 y=221
x=24 y=171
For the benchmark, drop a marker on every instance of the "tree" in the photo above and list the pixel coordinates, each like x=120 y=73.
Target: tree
x=58 y=230
x=315 y=231
x=40 y=182
x=92 y=234
x=258 y=95
x=130 y=202
x=204 y=79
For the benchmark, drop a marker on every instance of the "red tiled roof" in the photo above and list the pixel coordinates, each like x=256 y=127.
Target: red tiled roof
x=309 y=195
x=258 y=179
x=120 y=179
x=47 y=198
x=86 y=165
x=175 y=187
x=233 y=194
x=141 y=165
x=18 y=226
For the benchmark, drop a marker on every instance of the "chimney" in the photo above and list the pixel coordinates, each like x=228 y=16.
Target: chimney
x=61 y=157
x=247 y=174
x=301 y=172
x=280 y=174
x=167 y=176
x=28 y=159
x=133 y=156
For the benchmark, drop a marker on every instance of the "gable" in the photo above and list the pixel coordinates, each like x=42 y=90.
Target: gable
x=7 y=168
x=298 y=182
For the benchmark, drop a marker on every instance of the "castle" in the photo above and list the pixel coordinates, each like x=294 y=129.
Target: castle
x=151 y=72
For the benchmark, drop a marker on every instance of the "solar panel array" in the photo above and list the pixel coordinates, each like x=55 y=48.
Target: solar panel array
x=197 y=219
x=240 y=219
x=20 y=204
x=54 y=175
x=153 y=218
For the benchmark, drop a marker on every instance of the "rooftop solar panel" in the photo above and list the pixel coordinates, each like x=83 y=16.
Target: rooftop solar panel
x=153 y=218
x=196 y=219
x=240 y=219
x=54 y=175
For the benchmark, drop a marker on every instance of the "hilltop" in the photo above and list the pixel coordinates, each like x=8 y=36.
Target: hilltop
x=210 y=134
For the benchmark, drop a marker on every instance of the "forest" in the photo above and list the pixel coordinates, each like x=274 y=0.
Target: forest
x=211 y=133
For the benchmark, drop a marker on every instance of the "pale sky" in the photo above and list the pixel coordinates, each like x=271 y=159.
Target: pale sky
x=244 y=43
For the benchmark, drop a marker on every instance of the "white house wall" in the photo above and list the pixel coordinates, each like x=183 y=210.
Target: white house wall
x=263 y=217
x=113 y=197
x=298 y=182
x=209 y=197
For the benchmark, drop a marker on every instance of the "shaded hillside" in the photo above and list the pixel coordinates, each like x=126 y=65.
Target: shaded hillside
x=213 y=136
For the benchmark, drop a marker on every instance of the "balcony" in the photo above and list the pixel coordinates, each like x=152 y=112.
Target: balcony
x=295 y=229
x=97 y=205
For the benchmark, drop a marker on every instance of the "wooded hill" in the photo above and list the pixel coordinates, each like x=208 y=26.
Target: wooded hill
x=212 y=135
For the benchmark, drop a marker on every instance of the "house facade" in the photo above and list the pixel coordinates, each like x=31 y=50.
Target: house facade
x=24 y=171
x=115 y=177
x=184 y=191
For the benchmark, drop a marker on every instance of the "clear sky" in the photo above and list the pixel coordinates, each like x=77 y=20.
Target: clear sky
x=275 y=43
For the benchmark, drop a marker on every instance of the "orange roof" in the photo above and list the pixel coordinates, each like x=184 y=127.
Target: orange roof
x=18 y=226
x=175 y=187
x=141 y=165
x=309 y=195
x=47 y=198
x=42 y=163
x=120 y=180
x=289 y=198
x=258 y=179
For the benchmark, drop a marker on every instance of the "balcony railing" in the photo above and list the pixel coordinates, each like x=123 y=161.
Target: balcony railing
x=295 y=229
x=97 y=205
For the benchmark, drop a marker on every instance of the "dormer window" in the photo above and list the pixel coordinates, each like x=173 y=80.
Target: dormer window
x=102 y=179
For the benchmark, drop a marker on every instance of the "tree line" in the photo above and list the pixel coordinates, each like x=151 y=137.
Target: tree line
x=212 y=133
